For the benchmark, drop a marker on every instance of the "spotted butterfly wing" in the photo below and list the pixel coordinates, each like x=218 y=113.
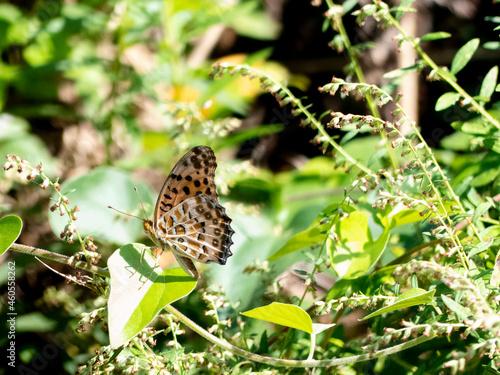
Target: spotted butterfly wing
x=188 y=218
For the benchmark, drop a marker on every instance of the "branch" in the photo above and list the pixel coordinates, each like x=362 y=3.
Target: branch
x=63 y=259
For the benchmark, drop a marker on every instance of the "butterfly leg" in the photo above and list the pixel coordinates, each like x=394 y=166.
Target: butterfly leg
x=155 y=252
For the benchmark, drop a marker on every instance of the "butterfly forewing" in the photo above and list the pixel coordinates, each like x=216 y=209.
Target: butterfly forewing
x=193 y=174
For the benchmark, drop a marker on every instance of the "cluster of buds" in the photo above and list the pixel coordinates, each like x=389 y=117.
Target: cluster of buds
x=61 y=205
x=216 y=300
x=362 y=301
x=91 y=318
x=360 y=89
x=23 y=168
x=88 y=244
x=68 y=232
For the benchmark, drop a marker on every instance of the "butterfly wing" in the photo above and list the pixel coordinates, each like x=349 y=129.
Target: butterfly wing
x=188 y=217
x=193 y=174
x=199 y=229
x=187 y=265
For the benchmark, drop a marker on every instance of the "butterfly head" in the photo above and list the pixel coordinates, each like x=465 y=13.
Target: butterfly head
x=149 y=229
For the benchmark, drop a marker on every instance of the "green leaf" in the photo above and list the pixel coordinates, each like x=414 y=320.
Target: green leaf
x=412 y=297
x=486 y=177
x=474 y=127
x=283 y=314
x=493 y=143
x=462 y=312
x=356 y=252
x=35 y=322
x=489 y=84
x=136 y=298
x=93 y=193
x=446 y=100
x=10 y=229
x=435 y=36
x=316 y=233
x=486 y=368
x=402 y=71
x=481 y=210
x=480 y=247
x=401 y=215
x=464 y=55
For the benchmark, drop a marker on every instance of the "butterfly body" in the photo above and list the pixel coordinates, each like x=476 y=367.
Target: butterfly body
x=188 y=218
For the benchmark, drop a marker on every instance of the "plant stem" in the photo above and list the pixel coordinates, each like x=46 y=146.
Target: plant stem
x=294 y=363
x=58 y=258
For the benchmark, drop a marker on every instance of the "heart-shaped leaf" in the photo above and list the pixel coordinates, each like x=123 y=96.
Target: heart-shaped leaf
x=137 y=297
x=10 y=229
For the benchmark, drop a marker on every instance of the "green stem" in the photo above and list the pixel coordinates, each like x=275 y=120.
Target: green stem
x=338 y=25
x=295 y=363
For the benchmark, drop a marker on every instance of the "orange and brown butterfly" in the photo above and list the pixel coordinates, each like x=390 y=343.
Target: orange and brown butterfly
x=188 y=218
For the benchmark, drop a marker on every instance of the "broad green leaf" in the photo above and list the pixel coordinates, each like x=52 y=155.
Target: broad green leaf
x=93 y=193
x=462 y=312
x=435 y=36
x=464 y=55
x=283 y=314
x=136 y=298
x=446 y=100
x=10 y=229
x=489 y=84
x=355 y=253
x=412 y=297
x=401 y=215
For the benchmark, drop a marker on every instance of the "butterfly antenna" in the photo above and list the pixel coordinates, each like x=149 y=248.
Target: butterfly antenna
x=124 y=213
x=140 y=200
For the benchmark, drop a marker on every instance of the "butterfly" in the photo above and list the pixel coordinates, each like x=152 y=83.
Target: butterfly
x=188 y=218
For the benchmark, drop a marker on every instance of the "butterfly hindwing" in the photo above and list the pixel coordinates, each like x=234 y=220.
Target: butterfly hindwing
x=197 y=228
